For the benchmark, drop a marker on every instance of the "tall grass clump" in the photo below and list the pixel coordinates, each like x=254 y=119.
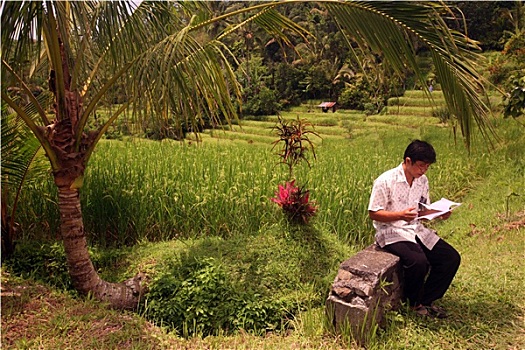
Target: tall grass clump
x=156 y=191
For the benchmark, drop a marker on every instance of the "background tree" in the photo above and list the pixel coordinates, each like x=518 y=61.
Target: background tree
x=485 y=21
x=171 y=65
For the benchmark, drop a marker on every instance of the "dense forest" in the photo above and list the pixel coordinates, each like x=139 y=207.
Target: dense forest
x=321 y=66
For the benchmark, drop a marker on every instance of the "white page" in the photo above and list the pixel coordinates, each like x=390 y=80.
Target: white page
x=442 y=206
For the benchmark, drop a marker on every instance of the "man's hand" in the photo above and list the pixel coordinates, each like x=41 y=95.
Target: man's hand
x=409 y=214
x=427 y=212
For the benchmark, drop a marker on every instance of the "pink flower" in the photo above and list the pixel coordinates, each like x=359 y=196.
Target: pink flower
x=295 y=202
x=285 y=193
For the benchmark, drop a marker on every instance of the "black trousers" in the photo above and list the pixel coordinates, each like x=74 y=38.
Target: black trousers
x=442 y=261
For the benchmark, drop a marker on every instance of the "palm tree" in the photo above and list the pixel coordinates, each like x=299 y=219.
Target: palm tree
x=161 y=53
x=155 y=50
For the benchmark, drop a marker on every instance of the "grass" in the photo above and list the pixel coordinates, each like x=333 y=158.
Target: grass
x=406 y=120
x=486 y=302
x=412 y=110
x=37 y=317
x=210 y=200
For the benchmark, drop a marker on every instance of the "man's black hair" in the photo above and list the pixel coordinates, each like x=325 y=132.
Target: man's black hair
x=420 y=150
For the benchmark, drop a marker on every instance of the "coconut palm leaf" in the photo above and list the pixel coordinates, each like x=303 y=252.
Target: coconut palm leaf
x=19 y=151
x=19 y=148
x=385 y=27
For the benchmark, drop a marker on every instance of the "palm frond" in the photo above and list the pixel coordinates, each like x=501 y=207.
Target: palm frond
x=385 y=27
x=21 y=24
x=19 y=149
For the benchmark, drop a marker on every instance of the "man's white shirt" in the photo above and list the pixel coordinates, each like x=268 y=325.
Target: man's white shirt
x=391 y=192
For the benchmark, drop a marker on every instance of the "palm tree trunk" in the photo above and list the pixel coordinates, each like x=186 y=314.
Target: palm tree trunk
x=82 y=272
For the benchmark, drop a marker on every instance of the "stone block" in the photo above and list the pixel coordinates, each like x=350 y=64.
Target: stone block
x=366 y=286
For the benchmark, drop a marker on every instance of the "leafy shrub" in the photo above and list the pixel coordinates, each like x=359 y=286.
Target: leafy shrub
x=515 y=101
x=46 y=262
x=265 y=102
x=353 y=98
x=198 y=296
x=370 y=108
x=499 y=71
x=504 y=69
x=515 y=46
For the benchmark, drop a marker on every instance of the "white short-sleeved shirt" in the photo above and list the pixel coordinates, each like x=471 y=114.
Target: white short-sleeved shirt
x=392 y=192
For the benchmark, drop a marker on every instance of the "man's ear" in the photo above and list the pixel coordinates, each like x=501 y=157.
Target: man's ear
x=407 y=159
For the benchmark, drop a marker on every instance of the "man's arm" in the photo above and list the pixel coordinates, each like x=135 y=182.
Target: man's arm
x=408 y=215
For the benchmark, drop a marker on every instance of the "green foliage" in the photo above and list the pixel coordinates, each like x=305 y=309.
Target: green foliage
x=258 y=98
x=500 y=69
x=354 y=98
x=20 y=167
x=287 y=80
x=515 y=46
x=442 y=114
x=165 y=130
x=363 y=98
x=198 y=296
x=264 y=102
x=486 y=21
x=45 y=262
x=317 y=83
x=515 y=105
x=372 y=108
x=506 y=70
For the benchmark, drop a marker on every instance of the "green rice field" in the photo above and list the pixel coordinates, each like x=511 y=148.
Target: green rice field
x=221 y=181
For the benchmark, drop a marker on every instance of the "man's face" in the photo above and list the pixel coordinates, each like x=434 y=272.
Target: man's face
x=417 y=168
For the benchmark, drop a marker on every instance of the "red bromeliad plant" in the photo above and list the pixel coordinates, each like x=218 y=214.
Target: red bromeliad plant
x=294 y=200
